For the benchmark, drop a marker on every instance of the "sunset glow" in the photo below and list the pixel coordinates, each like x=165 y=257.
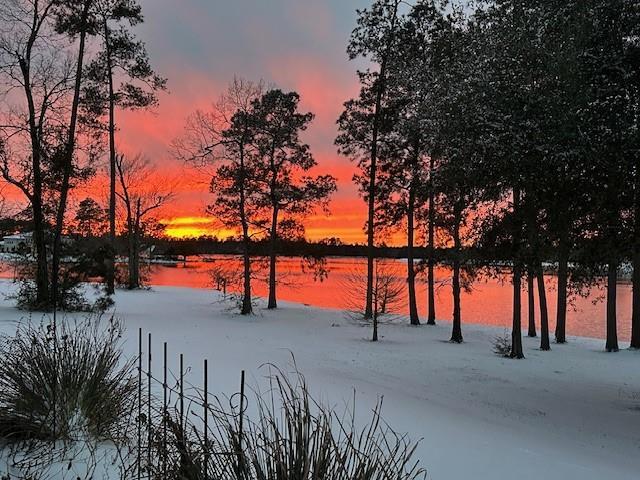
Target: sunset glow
x=284 y=211
x=193 y=227
x=293 y=50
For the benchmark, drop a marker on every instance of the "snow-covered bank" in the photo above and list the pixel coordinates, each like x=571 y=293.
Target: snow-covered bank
x=570 y=413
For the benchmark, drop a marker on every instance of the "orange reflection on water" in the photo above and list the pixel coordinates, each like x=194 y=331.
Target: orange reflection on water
x=489 y=302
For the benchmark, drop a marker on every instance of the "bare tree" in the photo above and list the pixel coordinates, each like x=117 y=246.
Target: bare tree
x=41 y=73
x=388 y=293
x=31 y=73
x=141 y=196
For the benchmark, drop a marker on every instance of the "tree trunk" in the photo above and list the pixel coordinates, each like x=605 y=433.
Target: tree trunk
x=67 y=166
x=635 y=312
x=614 y=186
x=368 y=308
x=544 y=313
x=411 y=274
x=131 y=255
x=40 y=243
x=130 y=237
x=371 y=191
x=39 y=226
x=136 y=249
x=375 y=326
x=273 y=258
x=531 y=305
x=456 y=334
x=516 y=330
x=246 y=296
x=111 y=261
x=563 y=281
x=431 y=301
x=247 y=307
x=612 y=328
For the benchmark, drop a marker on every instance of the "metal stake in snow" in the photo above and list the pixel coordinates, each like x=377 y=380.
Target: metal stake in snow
x=240 y=427
x=149 y=410
x=139 y=402
x=206 y=407
x=164 y=414
x=181 y=392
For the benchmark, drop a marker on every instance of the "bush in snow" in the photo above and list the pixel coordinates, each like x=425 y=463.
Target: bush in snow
x=502 y=345
x=83 y=262
x=291 y=436
x=64 y=385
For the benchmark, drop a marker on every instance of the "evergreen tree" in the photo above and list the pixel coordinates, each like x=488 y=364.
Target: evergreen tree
x=119 y=77
x=90 y=218
x=375 y=38
x=281 y=169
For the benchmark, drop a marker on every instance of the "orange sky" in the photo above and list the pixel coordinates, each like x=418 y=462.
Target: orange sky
x=288 y=44
x=199 y=47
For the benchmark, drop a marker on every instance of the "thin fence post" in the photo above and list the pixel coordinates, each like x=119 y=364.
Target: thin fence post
x=241 y=420
x=240 y=433
x=182 y=392
x=206 y=425
x=164 y=414
x=149 y=442
x=139 y=403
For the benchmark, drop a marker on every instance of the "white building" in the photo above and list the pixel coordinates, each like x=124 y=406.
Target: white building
x=20 y=242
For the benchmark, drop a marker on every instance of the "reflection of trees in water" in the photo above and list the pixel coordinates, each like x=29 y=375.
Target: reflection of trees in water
x=388 y=293
x=226 y=273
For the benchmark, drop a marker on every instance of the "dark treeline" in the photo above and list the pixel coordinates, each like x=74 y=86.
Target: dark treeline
x=295 y=248
x=509 y=127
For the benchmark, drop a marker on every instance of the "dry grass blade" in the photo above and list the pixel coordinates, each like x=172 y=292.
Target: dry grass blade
x=291 y=437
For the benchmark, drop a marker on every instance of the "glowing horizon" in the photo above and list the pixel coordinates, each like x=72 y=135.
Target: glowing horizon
x=290 y=45
x=189 y=227
x=199 y=47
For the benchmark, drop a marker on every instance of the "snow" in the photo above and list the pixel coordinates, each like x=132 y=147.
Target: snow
x=570 y=413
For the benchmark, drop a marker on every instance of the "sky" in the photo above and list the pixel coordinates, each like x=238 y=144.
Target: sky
x=199 y=45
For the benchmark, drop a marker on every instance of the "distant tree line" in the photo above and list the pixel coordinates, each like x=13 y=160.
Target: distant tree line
x=180 y=247
x=509 y=128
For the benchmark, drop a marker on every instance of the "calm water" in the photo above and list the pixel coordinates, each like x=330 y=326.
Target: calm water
x=489 y=301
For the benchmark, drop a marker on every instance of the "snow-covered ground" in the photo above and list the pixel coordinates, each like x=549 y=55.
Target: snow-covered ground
x=572 y=413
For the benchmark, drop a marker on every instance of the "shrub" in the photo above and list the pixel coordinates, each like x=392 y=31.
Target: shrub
x=502 y=345
x=65 y=384
x=291 y=438
x=71 y=298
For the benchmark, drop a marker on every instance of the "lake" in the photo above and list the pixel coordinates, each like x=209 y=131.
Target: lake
x=488 y=302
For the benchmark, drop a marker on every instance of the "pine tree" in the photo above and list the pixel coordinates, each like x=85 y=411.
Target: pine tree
x=375 y=38
x=119 y=77
x=281 y=169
